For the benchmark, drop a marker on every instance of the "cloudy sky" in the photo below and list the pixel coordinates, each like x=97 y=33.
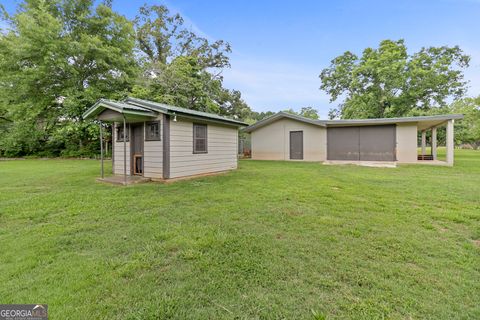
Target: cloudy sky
x=280 y=47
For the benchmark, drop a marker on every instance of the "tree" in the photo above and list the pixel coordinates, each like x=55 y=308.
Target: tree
x=467 y=130
x=162 y=37
x=56 y=60
x=388 y=82
x=182 y=83
x=307 y=112
x=181 y=68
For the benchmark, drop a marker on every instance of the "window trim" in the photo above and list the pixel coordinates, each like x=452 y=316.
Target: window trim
x=117 y=136
x=206 y=138
x=147 y=137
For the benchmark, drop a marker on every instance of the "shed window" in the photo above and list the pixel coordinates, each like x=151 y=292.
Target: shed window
x=152 y=130
x=120 y=133
x=199 y=138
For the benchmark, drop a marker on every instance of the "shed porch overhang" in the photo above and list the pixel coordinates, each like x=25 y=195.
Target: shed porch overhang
x=112 y=111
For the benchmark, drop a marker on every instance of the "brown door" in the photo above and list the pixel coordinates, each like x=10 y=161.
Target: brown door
x=367 y=143
x=377 y=143
x=296 y=145
x=343 y=143
x=137 y=149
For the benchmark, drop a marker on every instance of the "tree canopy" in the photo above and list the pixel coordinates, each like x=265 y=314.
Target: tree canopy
x=467 y=131
x=57 y=57
x=307 y=112
x=389 y=82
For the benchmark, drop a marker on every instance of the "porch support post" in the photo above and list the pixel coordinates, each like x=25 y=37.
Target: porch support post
x=434 y=143
x=424 y=143
x=113 y=147
x=101 y=149
x=124 y=151
x=449 y=142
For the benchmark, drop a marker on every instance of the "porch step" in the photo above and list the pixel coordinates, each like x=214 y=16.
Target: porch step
x=425 y=157
x=120 y=179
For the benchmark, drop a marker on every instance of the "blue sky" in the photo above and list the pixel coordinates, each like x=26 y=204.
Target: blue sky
x=280 y=47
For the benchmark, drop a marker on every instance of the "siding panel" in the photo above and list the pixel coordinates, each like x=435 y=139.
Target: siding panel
x=222 y=149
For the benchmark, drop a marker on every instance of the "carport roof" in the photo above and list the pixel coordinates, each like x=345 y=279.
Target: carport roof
x=423 y=122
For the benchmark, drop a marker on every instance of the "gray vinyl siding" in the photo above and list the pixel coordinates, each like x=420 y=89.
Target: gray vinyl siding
x=153 y=156
x=221 y=145
x=118 y=153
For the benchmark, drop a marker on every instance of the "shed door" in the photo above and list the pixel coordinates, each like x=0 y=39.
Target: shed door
x=296 y=145
x=367 y=143
x=137 y=149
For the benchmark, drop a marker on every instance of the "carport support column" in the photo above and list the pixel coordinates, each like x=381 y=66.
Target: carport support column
x=424 y=142
x=449 y=142
x=434 y=143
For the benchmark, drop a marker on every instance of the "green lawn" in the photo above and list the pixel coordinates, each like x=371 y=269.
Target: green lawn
x=272 y=240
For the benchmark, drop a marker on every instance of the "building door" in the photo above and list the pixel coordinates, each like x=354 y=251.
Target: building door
x=137 y=149
x=366 y=143
x=343 y=143
x=296 y=145
x=377 y=143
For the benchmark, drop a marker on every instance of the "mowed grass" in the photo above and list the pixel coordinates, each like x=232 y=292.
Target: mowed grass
x=272 y=240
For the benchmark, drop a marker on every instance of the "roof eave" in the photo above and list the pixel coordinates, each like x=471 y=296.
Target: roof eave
x=379 y=121
x=280 y=115
x=157 y=107
x=103 y=104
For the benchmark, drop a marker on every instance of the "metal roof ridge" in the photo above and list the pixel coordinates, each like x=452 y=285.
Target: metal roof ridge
x=169 y=108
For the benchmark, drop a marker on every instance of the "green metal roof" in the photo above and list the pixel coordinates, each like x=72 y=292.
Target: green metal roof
x=134 y=106
x=120 y=107
x=165 y=108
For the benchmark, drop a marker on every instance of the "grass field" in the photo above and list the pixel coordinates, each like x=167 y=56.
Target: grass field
x=272 y=240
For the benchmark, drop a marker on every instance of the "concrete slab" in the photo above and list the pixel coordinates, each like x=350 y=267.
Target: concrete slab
x=376 y=164
x=120 y=180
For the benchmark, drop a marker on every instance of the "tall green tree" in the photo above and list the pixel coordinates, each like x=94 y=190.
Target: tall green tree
x=182 y=68
x=56 y=59
x=182 y=83
x=389 y=82
x=163 y=36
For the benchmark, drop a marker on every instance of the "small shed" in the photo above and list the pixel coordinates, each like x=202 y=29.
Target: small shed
x=160 y=142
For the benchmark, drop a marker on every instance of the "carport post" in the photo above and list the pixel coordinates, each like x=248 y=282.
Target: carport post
x=101 y=149
x=449 y=142
x=434 y=143
x=424 y=142
x=124 y=151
